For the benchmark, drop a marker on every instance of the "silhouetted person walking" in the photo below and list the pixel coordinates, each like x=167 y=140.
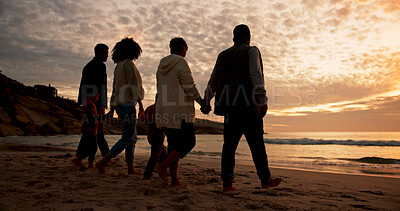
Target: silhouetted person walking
x=175 y=107
x=155 y=137
x=94 y=81
x=237 y=82
x=127 y=91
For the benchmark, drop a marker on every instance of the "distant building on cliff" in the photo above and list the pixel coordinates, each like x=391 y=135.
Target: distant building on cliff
x=46 y=91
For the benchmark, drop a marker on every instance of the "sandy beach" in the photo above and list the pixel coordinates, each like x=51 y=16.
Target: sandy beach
x=42 y=178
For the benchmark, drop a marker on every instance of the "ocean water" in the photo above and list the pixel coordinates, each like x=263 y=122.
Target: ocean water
x=365 y=153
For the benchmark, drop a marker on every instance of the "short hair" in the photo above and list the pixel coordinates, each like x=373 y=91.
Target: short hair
x=177 y=44
x=240 y=33
x=127 y=48
x=100 y=47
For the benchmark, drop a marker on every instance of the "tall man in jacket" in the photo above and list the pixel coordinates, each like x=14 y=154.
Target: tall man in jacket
x=175 y=107
x=94 y=81
x=237 y=82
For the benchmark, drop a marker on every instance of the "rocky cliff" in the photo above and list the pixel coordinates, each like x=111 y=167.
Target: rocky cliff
x=25 y=111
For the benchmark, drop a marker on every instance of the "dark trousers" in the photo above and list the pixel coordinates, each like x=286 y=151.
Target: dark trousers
x=101 y=141
x=235 y=125
x=87 y=146
x=182 y=140
x=155 y=137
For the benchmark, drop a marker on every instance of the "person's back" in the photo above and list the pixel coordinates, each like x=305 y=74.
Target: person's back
x=90 y=116
x=149 y=116
x=177 y=92
x=233 y=85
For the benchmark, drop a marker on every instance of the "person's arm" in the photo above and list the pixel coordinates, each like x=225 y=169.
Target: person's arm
x=140 y=106
x=210 y=90
x=110 y=113
x=112 y=99
x=187 y=82
x=129 y=68
x=103 y=86
x=257 y=77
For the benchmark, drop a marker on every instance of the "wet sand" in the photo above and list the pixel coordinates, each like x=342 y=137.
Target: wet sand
x=42 y=178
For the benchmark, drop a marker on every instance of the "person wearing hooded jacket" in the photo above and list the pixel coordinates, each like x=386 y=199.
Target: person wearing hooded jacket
x=175 y=107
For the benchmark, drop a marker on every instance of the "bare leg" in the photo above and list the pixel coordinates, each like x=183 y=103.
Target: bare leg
x=227 y=186
x=174 y=174
x=271 y=182
x=91 y=165
x=101 y=165
x=131 y=169
x=162 y=167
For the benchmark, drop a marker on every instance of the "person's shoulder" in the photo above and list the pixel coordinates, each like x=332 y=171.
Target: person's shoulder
x=93 y=64
x=150 y=108
x=177 y=60
x=254 y=47
x=254 y=50
x=224 y=52
x=127 y=63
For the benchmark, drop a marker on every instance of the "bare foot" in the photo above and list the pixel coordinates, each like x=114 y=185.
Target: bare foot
x=177 y=184
x=78 y=164
x=111 y=162
x=146 y=177
x=271 y=183
x=228 y=189
x=227 y=186
x=132 y=171
x=91 y=166
x=101 y=168
x=162 y=172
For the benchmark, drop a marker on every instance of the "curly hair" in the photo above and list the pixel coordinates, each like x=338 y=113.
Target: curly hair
x=127 y=48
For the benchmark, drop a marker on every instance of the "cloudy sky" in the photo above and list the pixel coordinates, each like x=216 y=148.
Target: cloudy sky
x=329 y=65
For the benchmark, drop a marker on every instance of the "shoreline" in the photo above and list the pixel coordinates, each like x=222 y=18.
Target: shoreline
x=13 y=146
x=42 y=178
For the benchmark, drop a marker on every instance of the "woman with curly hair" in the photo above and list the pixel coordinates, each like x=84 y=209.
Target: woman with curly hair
x=127 y=91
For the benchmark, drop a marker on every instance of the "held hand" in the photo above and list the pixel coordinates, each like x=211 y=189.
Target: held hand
x=262 y=110
x=141 y=116
x=110 y=113
x=205 y=107
x=140 y=106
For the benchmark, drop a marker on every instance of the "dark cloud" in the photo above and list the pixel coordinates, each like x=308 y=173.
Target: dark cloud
x=124 y=20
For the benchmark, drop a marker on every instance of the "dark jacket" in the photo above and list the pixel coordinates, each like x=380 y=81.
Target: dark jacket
x=94 y=80
x=233 y=85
